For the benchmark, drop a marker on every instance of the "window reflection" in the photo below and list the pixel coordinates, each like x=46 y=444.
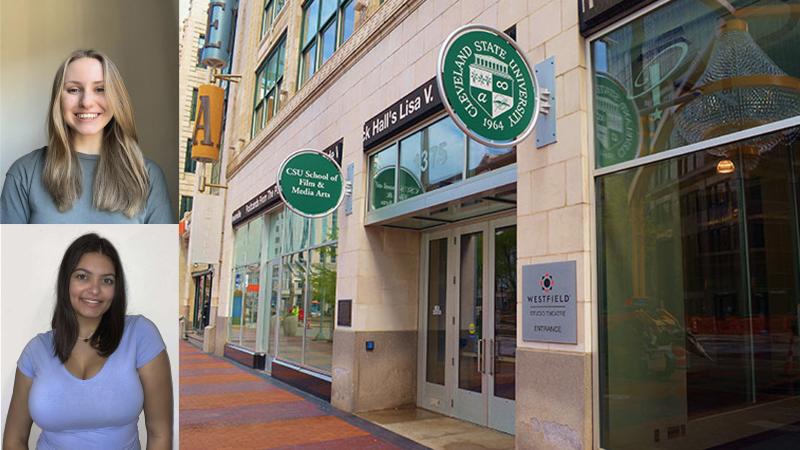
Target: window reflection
x=292 y=308
x=382 y=169
x=430 y=158
x=690 y=71
x=699 y=298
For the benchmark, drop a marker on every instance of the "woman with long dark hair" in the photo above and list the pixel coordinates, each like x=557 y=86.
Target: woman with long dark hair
x=85 y=382
x=92 y=170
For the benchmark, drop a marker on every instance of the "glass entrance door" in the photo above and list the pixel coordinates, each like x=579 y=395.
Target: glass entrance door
x=269 y=315
x=468 y=323
x=202 y=301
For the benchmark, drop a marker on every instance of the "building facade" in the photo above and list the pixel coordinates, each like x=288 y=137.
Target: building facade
x=196 y=280
x=665 y=203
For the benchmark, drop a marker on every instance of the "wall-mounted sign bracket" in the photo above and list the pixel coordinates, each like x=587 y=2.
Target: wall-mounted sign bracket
x=546 y=125
x=228 y=77
x=348 y=189
x=202 y=179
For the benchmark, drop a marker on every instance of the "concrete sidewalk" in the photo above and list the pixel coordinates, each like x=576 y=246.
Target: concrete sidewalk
x=225 y=405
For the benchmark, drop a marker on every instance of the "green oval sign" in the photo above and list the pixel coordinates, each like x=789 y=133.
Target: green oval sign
x=488 y=86
x=310 y=183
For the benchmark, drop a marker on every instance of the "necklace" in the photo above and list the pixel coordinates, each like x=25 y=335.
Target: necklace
x=86 y=339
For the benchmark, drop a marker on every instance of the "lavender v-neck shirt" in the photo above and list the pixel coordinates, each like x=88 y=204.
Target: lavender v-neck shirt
x=101 y=412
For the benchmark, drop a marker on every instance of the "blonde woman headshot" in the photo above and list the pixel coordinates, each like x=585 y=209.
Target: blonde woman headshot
x=92 y=170
x=86 y=381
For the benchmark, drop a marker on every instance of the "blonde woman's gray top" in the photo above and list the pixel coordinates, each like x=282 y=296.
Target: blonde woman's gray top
x=26 y=200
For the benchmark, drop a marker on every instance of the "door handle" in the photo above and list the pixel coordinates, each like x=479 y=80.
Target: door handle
x=492 y=353
x=480 y=355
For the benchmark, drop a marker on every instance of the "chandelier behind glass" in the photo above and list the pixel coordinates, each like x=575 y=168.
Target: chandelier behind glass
x=741 y=88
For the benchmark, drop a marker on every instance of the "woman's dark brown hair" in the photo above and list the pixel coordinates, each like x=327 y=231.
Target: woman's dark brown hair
x=108 y=334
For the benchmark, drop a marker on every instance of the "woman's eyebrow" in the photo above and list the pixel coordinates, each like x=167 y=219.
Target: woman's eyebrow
x=91 y=273
x=79 y=83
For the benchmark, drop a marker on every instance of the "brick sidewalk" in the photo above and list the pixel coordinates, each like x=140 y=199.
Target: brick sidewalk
x=224 y=405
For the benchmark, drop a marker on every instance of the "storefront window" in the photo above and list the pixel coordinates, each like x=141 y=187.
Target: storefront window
x=297 y=232
x=445 y=155
x=690 y=71
x=284 y=287
x=430 y=158
x=382 y=169
x=292 y=309
x=274 y=233
x=321 y=304
x=413 y=161
x=482 y=158
x=699 y=254
x=246 y=284
x=699 y=299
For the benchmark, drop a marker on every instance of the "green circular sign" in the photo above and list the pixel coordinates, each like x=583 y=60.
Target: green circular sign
x=310 y=183
x=616 y=123
x=487 y=86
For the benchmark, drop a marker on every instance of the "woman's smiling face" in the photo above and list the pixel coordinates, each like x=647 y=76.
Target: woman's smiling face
x=83 y=100
x=91 y=286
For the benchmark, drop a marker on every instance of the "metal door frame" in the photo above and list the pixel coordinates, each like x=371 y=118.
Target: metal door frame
x=482 y=408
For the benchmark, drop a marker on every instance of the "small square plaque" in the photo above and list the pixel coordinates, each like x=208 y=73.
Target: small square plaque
x=345 y=313
x=549 y=303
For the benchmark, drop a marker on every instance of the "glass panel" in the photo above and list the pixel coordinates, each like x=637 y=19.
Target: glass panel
x=470 y=316
x=270 y=108
x=206 y=310
x=258 y=118
x=319 y=334
x=328 y=42
x=266 y=18
x=437 y=311
x=382 y=166
x=271 y=72
x=689 y=71
x=280 y=57
x=297 y=231
x=292 y=312
x=275 y=219
x=309 y=63
x=349 y=12
x=254 y=229
x=279 y=7
x=250 y=307
x=412 y=164
x=771 y=192
x=505 y=311
x=274 y=289
x=311 y=21
x=328 y=8
x=445 y=154
x=323 y=230
x=260 y=83
x=237 y=297
x=482 y=158
x=198 y=298
x=240 y=246
x=698 y=272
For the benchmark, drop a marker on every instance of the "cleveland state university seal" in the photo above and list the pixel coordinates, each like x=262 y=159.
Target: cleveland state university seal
x=488 y=86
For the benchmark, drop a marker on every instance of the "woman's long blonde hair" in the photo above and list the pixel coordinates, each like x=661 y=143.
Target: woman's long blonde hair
x=121 y=183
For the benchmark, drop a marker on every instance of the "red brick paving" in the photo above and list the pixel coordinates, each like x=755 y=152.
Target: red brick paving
x=240 y=410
